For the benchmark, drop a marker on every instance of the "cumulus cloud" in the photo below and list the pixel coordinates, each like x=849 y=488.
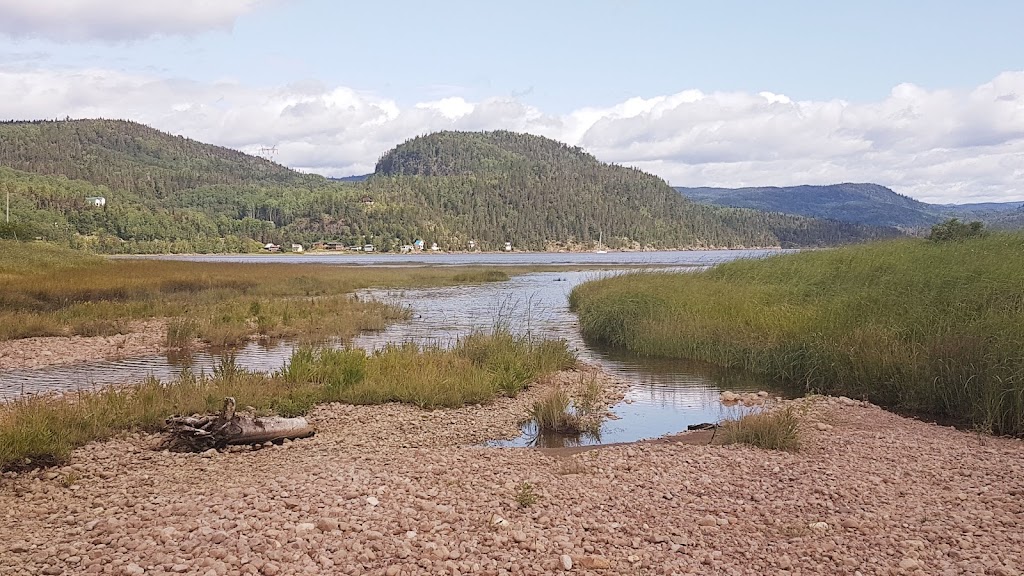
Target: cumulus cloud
x=114 y=20
x=935 y=145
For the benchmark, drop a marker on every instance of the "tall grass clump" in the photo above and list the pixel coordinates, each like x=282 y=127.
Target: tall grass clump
x=180 y=333
x=552 y=415
x=514 y=361
x=928 y=327
x=769 y=429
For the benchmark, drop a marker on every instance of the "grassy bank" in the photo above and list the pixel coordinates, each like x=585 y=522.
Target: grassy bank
x=51 y=291
x=912 y=325
x=42 y=430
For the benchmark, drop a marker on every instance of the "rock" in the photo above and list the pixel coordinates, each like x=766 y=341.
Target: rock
x=708 y=520
x=209 y=453
x=823 y=427
x=393 y=571
x=304 y=527
x=134 y=569
x=498 y=521
x=327 y=524
x=372 y=500
x=909 y=564
x=819 y=526
x=595 y=563
x=566 y=561
x=271 y=569
x=850 y=523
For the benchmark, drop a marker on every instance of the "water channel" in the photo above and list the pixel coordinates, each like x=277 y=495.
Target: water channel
x=664 y=396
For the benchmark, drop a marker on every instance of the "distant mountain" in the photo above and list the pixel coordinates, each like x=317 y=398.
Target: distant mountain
x=118 y=186
x=982 y=207
x=858 y=203
x=358 y=178
x=869 y=204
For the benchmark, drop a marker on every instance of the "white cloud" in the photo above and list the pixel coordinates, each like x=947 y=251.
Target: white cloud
x=938 y=146
x=113 y=20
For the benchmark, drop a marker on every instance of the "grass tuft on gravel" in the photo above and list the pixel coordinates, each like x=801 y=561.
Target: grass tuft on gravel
x=766 y=429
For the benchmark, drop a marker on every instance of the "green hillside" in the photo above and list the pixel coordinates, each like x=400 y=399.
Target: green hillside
x=501 y=185
x=165 y=193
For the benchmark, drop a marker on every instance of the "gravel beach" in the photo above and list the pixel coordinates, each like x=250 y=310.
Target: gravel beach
x=142 y=338
x=396 y=490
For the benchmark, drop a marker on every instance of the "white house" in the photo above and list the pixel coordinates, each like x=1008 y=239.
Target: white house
x=97 y=201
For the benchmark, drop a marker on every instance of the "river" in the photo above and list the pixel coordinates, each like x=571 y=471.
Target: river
x=664 y=396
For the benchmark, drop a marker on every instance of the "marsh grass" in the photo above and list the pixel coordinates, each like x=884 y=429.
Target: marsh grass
x=918 y=326
x=767 y=429
x=46 y=290
x=44 y=430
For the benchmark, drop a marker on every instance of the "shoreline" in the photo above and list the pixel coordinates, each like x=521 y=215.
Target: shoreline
x=392 y=489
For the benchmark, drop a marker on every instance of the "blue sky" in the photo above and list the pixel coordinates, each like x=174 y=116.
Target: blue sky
x=927 y=98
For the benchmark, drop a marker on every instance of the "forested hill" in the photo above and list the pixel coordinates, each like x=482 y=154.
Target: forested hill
x=165 y=193
x=129 y=156
x=534 y=190
x=869 y=204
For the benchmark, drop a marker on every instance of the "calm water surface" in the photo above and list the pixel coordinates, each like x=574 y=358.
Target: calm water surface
x=665 y=396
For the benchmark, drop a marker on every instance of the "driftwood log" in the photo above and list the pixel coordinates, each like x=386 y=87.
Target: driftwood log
x=199 y=433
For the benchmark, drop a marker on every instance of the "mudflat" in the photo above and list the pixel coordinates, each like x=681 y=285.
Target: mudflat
x=392 y=489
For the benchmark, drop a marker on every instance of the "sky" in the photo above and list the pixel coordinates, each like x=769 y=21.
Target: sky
x=924 y=97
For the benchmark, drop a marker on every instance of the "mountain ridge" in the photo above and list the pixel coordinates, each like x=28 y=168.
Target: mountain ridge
x=860 y=203
x=168 y=193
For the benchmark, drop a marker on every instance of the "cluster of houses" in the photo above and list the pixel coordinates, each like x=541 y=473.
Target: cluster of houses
x=417 y=246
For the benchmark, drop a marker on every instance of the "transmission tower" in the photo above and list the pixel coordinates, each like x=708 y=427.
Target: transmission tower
x=267 y=152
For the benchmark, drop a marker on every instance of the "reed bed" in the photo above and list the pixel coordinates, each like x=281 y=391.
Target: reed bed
x=926 y=327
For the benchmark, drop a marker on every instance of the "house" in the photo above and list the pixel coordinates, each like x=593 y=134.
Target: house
x=297 y=248
x=418 y=245
x=472 y=244
x=368 y=248
x=96 y=201
x=366 y=200
x=271 y=247
x=407 y=248
x=335 y=246
x=508 y=246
